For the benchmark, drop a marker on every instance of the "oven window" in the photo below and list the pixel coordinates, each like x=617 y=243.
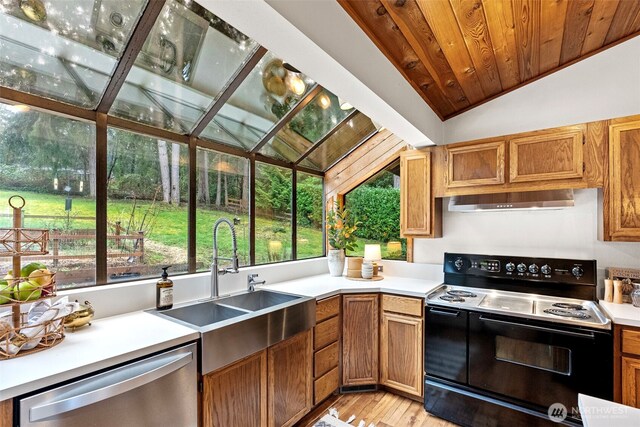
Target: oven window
x=533 y=354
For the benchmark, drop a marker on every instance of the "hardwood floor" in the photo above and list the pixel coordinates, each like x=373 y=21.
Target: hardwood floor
x=380 y=408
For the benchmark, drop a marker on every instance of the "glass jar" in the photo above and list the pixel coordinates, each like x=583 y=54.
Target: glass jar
x=635 y=295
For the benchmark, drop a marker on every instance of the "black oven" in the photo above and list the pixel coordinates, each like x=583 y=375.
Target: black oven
x=510 y=370
x=544 y=362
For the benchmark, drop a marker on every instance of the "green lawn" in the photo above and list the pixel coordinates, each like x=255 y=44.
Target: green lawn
x=168 y=235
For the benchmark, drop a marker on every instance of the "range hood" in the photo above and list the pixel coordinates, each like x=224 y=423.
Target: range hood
x=530 y=200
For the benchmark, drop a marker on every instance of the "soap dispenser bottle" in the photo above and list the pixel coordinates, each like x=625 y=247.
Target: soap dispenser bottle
x=164 y=291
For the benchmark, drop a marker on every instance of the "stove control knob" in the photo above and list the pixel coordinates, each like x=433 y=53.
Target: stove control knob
x=577 y=271
x=510 y=266
x=533 y=268
x=522 y=267
x=546 y=269
x=459 y=263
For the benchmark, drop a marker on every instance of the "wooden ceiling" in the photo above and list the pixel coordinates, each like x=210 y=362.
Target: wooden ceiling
x=458 y=54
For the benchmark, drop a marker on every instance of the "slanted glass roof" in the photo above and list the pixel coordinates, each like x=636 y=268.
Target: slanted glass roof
x=268 y=93
x=307 y=127
x=341 y=142
x=175 y=66
x=64 y=50
x=186 y=61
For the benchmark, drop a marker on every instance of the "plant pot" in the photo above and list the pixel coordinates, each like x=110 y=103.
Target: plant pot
x=335 y=258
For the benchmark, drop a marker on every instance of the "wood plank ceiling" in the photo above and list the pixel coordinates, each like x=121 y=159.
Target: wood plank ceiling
x=458 y=54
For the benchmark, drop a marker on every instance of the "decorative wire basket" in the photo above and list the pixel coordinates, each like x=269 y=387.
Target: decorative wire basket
x=14 y=343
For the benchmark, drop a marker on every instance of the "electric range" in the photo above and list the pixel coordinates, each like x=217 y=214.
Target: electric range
x=512 y=339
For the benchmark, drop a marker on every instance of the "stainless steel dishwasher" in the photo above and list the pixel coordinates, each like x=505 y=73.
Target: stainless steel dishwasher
x=158 y=390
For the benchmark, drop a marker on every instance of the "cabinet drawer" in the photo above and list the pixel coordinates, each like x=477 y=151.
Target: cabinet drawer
x=325 y=360
x=403 y=305
x=327 y=308
x=325 y=385
x=326 y=333
x=631 y=342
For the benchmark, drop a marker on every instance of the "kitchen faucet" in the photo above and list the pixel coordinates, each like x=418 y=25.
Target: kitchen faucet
x=252 y=282
x=215 y=271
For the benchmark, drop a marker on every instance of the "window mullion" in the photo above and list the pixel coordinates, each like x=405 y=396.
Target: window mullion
x=101 y=198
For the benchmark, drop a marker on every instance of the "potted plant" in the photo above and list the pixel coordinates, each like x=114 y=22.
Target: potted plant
x=340 y=233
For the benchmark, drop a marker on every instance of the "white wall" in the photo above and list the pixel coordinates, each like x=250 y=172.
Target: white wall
x=603 y=86
x=567 y=233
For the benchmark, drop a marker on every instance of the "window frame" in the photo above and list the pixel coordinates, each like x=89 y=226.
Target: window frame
x=102 y=122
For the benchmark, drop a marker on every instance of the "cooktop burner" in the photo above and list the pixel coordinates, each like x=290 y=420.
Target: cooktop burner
x=461 y=294
x=568 y=306
x=452 y=298
x=567 y=313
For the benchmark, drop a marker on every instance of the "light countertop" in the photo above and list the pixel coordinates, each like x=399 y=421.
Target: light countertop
x=105 y=343
x=622 y=314
x=323 y=286
x=603 y=413
x=114 y=340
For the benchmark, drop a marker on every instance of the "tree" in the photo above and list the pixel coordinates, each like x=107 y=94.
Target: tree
x=163 y=158
x=203 y=183
x=175 y=173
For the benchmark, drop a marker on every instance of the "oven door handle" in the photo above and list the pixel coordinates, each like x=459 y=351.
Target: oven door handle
x=589 y=335
x=443 y=312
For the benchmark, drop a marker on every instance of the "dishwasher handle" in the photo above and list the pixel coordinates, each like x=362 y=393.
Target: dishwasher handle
x=114 y=386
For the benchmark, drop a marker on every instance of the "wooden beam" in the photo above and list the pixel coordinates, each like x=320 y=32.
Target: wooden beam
x=287 y=117
x=192 y=205
x=128 y=58
x=13 y=96
x=101 y=199
x=252 y=210
x=231 y=87
x=143 y=129
x=294 y=214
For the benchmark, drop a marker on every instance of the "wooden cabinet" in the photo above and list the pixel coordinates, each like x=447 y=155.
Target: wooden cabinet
x=631 y=381
x=470 y=165
x=549 y=155
x=326 y=356
x=419 y=211
x=6 y=413
x=627 y=365
x=622 y=207
x=290 y=380
x=236 y=395
x=360 y=321
x=270 y=388
x=401 y=347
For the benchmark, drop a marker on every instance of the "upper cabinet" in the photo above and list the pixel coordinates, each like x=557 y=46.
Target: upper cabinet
x=624 y=181
x=557 y=154
x=419 y=211
x=475 y=164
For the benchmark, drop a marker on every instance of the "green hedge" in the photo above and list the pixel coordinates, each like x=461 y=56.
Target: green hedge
x=378 y=210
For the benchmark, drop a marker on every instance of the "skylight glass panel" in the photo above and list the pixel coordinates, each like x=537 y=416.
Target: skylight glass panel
x=344 y=139
x=268 y=93
x=64 y=50
x=187 y=60
x=319 y=117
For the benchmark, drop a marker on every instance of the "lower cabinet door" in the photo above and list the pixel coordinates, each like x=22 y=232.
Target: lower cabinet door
x=401 y=353
x=631 y=382
x=290 y=376
x=236 y=395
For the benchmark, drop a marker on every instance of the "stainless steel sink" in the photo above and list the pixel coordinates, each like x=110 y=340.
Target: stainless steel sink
x=258 y=300
x=238 y=326
x=204 y=313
